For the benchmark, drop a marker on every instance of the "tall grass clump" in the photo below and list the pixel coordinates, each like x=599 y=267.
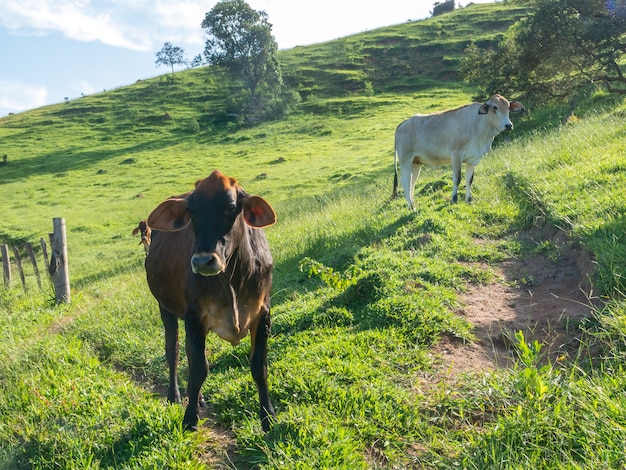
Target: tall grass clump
x=552 y=417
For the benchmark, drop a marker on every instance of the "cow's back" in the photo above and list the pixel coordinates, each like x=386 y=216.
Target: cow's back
x=436 y=137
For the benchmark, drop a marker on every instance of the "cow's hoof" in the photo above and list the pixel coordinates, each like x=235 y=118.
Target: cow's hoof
x=190 y=423
x=267 y=420
x=190 y=427
x=174 y=398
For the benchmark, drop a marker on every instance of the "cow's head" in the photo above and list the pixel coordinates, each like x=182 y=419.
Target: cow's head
x=497 y=110
x=213 y=209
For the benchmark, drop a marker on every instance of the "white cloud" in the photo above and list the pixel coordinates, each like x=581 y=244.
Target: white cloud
x=138 y=25
x=16 y=97
x=181 y=20
x=143 y=25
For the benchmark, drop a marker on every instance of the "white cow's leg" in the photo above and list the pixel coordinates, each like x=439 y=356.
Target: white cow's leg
x=456 y=178
x=469 y=179
x=416 y=168
x=405 y=179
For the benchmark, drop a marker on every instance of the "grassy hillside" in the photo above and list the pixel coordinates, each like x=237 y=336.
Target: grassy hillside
x=365 y=292
x=401 y=58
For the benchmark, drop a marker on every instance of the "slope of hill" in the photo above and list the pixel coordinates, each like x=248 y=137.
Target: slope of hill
x=371 y=303
x=402 y=58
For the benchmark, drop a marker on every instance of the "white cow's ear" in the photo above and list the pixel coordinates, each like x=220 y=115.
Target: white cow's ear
x=484 y=109
x=516 y=107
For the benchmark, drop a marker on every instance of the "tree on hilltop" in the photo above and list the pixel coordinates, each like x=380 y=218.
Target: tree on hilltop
x=443 y=7
x=170 y=56
x=240 y=39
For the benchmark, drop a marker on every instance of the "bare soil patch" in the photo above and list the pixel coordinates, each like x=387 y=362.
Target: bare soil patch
x=546 y=298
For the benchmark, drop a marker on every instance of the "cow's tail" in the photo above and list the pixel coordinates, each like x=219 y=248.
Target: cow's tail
x=394 y=194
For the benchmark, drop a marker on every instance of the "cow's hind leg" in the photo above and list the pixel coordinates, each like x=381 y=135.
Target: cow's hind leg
x=469 y=179
x=198 y=368
x=456 y=178
x=258 y=366
x=170 y=324
x=410 y=174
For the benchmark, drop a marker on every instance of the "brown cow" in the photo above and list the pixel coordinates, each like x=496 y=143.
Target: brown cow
x=210 y=265
x=143 y=228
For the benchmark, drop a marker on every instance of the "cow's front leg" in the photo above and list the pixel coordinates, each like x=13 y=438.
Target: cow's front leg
x=170 y=324
x=469 y=179
x=258 y=365
x=456 y=178
x=198 y=367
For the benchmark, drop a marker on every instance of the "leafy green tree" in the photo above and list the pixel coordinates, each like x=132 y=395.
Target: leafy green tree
x=170 y=56
x=443 y=7
x=561 y=46
x=197 y=61
x=240 y=39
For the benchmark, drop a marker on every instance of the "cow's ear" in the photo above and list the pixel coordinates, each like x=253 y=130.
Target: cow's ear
x=169 y=216
x=484 y=109
x=257 y=212
x=516 y=107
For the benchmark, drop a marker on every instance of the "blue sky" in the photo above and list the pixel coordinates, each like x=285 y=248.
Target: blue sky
x=52 y=49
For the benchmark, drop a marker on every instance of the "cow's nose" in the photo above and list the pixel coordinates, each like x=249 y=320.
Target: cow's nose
x=207 y=264
x=508 y=127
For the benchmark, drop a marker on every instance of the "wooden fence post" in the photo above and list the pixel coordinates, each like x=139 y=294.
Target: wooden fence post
x=33 y=261
x=6 y=264
x=58 y=263
x=44 y=251
x=18 y=262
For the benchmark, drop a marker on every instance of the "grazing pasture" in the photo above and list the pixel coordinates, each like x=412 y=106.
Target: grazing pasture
x=368 y=325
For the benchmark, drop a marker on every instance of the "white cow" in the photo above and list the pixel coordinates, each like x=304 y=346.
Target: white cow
x=461 y=135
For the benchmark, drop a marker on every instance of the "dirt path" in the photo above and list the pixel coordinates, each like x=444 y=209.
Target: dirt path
x=545 y=298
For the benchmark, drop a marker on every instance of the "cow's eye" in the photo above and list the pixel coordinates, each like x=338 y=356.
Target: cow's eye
x=231 y=208
x=495 y=109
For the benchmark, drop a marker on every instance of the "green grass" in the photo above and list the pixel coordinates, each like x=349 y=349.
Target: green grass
x=364 y=290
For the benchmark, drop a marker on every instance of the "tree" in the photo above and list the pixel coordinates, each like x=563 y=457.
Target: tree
x=240 y=39
x=561 y=46
x=170 y=56
x=440 y=8
x=197 y=61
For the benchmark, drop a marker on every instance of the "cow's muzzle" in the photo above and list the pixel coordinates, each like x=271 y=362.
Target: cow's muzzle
x=207 y=264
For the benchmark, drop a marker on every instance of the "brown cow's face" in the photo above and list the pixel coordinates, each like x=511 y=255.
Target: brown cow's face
x=213 y=208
